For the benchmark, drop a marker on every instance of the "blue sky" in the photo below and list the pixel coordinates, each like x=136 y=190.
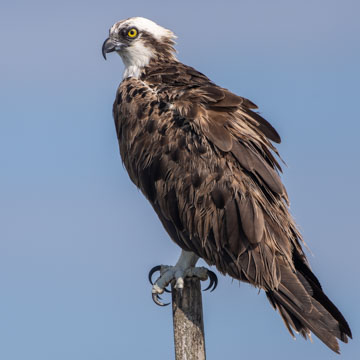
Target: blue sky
x=77 y=239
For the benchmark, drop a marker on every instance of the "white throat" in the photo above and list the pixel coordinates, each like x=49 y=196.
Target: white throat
x=135 y=58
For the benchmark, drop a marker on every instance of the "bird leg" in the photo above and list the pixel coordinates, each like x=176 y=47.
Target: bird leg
x=185 y=267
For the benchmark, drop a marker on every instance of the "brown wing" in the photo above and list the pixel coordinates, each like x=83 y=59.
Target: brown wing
x=222 y=192
x=205 y=162
x=184 y=78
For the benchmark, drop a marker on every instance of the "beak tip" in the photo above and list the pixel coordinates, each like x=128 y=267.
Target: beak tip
x=107 y=47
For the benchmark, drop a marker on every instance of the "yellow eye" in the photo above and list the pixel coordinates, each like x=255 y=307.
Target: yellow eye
x=132 y=33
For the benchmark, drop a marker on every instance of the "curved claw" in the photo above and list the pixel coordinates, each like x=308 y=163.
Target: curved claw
x=156 y=298
x=152 y=271
x=213 y=281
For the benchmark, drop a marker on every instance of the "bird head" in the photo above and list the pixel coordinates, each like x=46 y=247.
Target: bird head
x=138 y=41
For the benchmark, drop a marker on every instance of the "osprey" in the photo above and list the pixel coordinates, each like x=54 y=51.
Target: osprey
x=205 y=160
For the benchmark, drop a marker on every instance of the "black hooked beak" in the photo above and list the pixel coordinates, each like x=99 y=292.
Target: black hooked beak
x=108 y=47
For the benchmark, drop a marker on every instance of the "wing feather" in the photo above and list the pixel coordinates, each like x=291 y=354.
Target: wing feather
x=252 y=219
x=253 y=162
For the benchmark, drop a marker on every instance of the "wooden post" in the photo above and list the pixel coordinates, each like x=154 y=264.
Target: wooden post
x=188 y=321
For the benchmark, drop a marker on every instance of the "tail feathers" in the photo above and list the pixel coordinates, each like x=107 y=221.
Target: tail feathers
x=290 y=320
x=304 y=307
x=306 y=276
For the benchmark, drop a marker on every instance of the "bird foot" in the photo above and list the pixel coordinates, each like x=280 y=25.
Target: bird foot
x=176 y=274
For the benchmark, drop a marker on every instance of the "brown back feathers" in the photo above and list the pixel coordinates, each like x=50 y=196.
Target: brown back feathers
x=204 y=159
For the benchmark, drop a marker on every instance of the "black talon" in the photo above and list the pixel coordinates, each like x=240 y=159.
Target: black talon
x=213 y=281
x=152 y=271
x=156 y=298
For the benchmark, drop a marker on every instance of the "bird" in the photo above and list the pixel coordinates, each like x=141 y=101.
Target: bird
x=205 y=159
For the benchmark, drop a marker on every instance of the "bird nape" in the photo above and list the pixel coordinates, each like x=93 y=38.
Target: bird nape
x=205 y=160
